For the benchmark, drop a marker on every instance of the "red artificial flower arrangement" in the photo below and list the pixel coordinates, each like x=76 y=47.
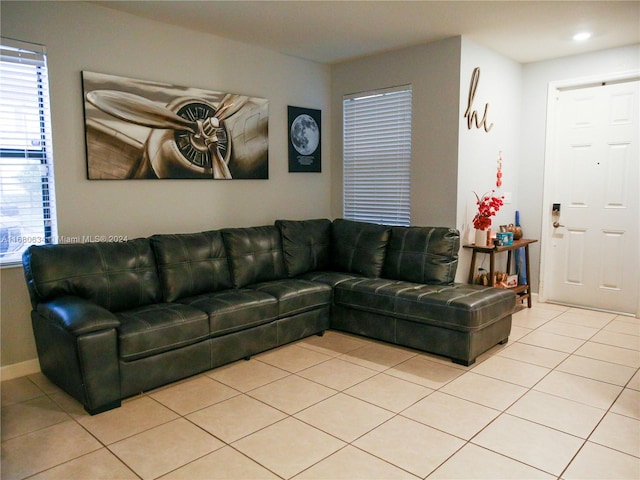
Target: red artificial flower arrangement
x=488 y=205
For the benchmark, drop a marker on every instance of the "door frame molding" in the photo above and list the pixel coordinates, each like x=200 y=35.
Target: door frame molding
x=549 y=157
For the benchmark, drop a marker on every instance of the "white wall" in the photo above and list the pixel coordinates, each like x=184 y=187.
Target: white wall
x=536 y=79
x=433 y=70
x=449 y=161
x=80 y=36
x=499 y=86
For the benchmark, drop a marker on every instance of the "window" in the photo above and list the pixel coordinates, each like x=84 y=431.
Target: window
x=27 y=204
x=377 y=156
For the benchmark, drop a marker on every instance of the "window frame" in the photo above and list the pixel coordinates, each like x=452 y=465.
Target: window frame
x=17 y=234
x=369 y=175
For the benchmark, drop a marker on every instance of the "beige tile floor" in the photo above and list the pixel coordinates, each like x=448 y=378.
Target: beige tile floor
x=560 y=400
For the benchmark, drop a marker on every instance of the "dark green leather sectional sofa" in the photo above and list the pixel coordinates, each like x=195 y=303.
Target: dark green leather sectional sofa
x=114 y=319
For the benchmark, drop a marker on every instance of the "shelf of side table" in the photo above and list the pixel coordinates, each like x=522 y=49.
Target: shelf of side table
x=523 y=291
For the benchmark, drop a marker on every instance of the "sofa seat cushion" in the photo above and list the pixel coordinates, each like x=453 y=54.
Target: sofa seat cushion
x=328 y=278
x=234 y=310
x=459 y=306
x=296 y=296
x=158 y=328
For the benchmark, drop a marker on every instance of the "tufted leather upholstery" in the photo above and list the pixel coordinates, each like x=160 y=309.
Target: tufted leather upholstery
x=116 y=276
x=153 y=329
x=296 y=296
x=457 y=306
x=422 y=254
x=235 y=309
x=191 y=264
x=113 y=319
x=305 y=244
x=328 y=278
x=358 y=247
x=255 y=254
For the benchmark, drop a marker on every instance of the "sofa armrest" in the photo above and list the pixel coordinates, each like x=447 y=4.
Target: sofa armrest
x=77 y=316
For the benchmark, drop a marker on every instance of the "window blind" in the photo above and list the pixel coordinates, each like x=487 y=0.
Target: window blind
x=377 y=156
x=27 y=203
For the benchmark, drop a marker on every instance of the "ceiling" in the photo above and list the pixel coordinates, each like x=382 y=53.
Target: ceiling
x=334 y=31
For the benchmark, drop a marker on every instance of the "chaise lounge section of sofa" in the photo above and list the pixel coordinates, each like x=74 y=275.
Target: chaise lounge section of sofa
x=112 y=320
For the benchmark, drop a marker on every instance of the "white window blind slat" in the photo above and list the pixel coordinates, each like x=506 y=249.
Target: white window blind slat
x=27 y=201
x=377 y=156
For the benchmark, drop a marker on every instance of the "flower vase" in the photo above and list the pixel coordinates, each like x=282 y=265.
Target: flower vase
x=481 y=238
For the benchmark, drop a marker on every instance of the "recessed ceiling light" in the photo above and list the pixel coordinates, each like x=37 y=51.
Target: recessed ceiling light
x=582 y=36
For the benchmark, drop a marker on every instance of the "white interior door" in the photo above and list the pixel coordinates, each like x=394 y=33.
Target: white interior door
x=593 y=251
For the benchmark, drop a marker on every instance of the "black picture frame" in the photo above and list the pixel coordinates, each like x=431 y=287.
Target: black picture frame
x=305 y=139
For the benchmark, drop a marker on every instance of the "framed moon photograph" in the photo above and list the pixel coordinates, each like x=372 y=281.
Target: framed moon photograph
x=304 y=140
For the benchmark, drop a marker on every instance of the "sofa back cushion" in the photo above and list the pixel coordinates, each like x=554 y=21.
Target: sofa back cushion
x=305 y=244
x=191 y=264
x=422 y=254
x=255 y=254
x=116 y=276
x=358 y=247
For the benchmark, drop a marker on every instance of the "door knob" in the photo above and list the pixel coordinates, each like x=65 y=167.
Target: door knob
x=557 y=224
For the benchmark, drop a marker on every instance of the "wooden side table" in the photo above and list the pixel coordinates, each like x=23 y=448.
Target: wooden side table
x=523 y=291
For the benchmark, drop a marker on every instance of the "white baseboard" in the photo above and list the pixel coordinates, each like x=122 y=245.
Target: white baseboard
x=21 y=369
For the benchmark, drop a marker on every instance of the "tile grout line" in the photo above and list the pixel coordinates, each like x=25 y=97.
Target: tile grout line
x=394 y=413
x=504 y=412
x=586 y=440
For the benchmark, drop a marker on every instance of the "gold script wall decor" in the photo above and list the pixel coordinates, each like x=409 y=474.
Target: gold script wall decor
x=472 y=115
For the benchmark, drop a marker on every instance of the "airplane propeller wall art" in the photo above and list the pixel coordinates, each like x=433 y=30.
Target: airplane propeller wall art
x=137 y=129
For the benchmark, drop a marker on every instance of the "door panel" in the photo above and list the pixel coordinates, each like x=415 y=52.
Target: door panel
x=594 y=255
x=618 y=169
x=575 y=257
x=611 y=269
